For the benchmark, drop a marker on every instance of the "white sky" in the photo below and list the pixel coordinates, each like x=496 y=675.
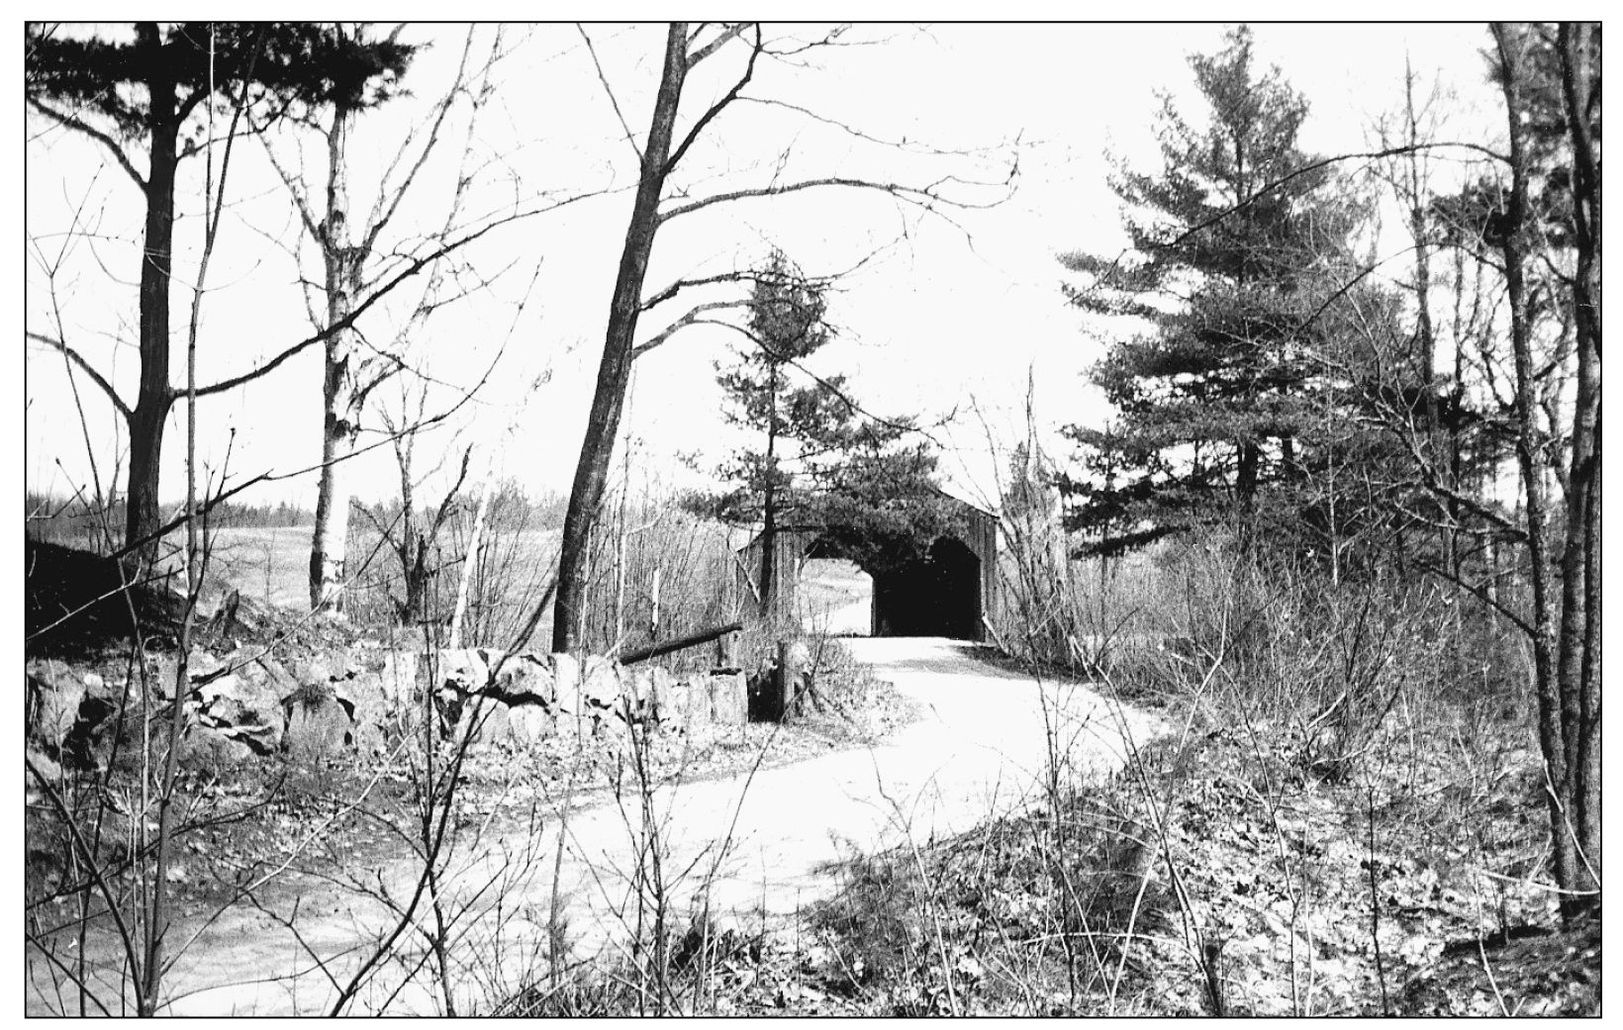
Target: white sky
x=929 y=327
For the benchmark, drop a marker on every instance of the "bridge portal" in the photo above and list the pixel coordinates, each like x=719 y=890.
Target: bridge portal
x=950 y=590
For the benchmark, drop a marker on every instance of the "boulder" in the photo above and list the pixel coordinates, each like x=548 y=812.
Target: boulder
x=362 y=692
x=246 y=703
x=484 y=722
x=208 y=749
x=45 y=766
x=397 y=673
x=54 y=694
x=689 y=706
x=728 y=696
x=317 y=724
x=529 y=724
x=316 y=668
x=239 y=617
x=525 y=677
x=566 y=686
x=600 y=684
x=659 y=696
x=461 y=669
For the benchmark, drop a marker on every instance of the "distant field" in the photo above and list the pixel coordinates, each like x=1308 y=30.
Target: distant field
x=269 y=565
x=273 y=565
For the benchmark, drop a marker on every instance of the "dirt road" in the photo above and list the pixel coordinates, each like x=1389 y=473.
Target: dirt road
x=977 y=748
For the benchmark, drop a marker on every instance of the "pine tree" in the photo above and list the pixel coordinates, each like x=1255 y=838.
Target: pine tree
x=1236 y=242
x=821 y=463
x=143 y=93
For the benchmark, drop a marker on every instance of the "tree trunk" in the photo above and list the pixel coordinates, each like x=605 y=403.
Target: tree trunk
x=603 y=423
x=146 y=422
x=1426 y=337
x=1531 y=459
x=470 y=560
x=769 y=507
x=1578 y=644
x=340 y=402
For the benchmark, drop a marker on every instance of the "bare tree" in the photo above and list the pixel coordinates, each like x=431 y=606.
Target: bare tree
x=660 y=154
x=348 y=246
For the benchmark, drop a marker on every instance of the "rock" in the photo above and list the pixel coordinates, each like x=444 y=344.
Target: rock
x=729 y=700
x=317 y=726
x=398 y=676
x=529 y=724
x=659 y=696
x=526 y=676
x=689 y=705
x=363 y=692
x=463 y=669
x=46 y=767
x=246 y=704
x=566 y=690
x=600 y=685
x=207 y=749
x=54 y=694
x=484 y=721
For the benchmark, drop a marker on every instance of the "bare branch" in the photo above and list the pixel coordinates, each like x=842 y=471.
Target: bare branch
x=755 y=275
x=300 y=201
x=413 y=267
x=717 y=107
x=382 y=216
x=75 y=357
x=911 y=146
x=925 y=196
x=604 y=79
x=74 y=122
x=693 y=317
x=729 y=33
x=750 y=276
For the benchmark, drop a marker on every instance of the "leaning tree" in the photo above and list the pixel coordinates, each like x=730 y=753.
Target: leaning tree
x=659 y=202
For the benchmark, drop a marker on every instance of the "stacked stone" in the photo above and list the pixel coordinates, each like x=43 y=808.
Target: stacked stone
x=247 y=703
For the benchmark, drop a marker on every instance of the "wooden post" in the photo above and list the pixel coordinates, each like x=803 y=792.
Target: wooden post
x=782 y=684
x=726 y=651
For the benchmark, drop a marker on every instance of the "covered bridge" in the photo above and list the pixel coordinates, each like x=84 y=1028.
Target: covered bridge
x=950 y=591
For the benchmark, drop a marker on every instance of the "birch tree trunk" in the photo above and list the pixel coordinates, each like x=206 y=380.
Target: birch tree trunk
x=340 y=399
x=470 y=559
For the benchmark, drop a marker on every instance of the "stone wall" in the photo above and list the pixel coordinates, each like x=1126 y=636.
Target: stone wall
x=246 y=703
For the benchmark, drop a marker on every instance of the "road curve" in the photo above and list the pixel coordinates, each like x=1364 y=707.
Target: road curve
x=976 y=749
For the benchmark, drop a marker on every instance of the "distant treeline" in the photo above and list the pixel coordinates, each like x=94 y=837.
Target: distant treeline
x=80 y=522
x=45 y=508
x=510 y=507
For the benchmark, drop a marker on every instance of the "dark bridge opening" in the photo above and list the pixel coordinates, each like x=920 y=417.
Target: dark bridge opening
x=939 y=596
x=905 y=587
